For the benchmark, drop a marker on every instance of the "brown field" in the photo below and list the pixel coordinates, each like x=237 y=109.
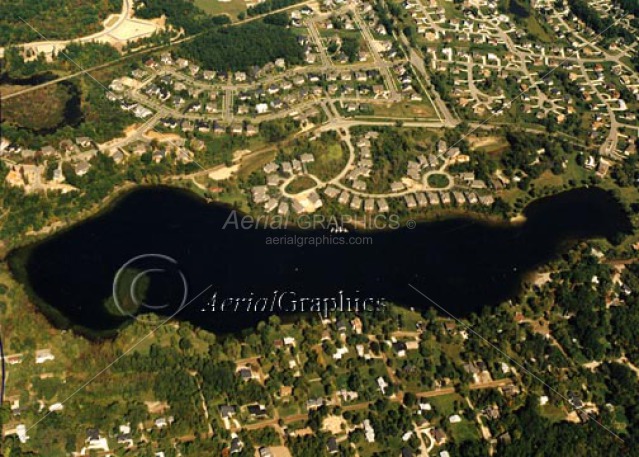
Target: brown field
x=37 y=110
x=405 y=110
x=488 y=144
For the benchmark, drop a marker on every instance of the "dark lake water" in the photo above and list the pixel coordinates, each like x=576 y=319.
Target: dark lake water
x=462 y=264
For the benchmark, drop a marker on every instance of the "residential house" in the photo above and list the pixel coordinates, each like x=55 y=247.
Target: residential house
x=257 y=411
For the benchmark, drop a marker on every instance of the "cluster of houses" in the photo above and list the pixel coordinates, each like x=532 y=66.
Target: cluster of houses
x=363 y=167
x=40 y=356
x=506 y=63
x=336 y=331
x=465 y=190
x=427 y=418
x=474 y=190
x=270 y=197
x=407 y=83
x=194 y=100
x=65 y=149
x=194 y=73
x=28 y=170
x=205 y=126
x=20 y=430
x=95 y=441
x=441 y=198
x=192 y=93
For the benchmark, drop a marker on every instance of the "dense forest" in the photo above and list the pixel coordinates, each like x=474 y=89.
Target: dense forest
x=242 y=47
x=181 y=14
x=603 y=26
x=21 y=22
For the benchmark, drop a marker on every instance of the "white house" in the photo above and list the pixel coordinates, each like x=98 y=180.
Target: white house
x=44 y=355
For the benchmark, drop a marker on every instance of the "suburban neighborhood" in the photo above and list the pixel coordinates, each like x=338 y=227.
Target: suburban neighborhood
x=505 y=131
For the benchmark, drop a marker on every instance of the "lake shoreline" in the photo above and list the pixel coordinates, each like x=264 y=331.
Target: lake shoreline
x=57 y=227
x=508 y=254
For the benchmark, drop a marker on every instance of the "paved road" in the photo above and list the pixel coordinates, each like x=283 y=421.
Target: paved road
x=312 y=30
x=391 y=83
x=609 y=146
x=417 y=61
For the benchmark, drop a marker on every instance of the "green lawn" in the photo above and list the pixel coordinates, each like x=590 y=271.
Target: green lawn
x=438 y=180
x=232 y=8
x=552 y=412
x=406 y=110
x=409 y=318
x=536 y=29
x=443 y=405
x=548 y=181
x=316 y=389
x=289 y=409
x=330 y=159
x=464 y=431
x=367 y=449
x=451 y=11
x=300 y=184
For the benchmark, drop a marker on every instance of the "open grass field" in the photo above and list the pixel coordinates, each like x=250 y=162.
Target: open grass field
x=451 y=11
x=444 y=405
x=552 y=412
x=300 y=184
x=405 y=110
x=488 y=144
x=464 y=431
x=330 y=158
x=214 y=7
x=536 y=29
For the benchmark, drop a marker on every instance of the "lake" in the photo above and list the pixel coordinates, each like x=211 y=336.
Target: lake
x=461 y=263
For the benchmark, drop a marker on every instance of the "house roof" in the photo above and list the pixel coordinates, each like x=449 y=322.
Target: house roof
x=332 y=445
x=399 y=346
x=227 y=410
x=93 y=434
x=245 y=373
x=256 y=410
x=407 y=452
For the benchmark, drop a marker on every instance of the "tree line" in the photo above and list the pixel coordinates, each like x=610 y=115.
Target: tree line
x=22 y=22
x=243 y=47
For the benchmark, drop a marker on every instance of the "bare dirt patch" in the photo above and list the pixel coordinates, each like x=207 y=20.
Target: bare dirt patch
x=221 y=173
x=333 y=424
x=489 y=144
x=133 y=29
x=162 y=137
x=280 y=451
x=156 y=407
